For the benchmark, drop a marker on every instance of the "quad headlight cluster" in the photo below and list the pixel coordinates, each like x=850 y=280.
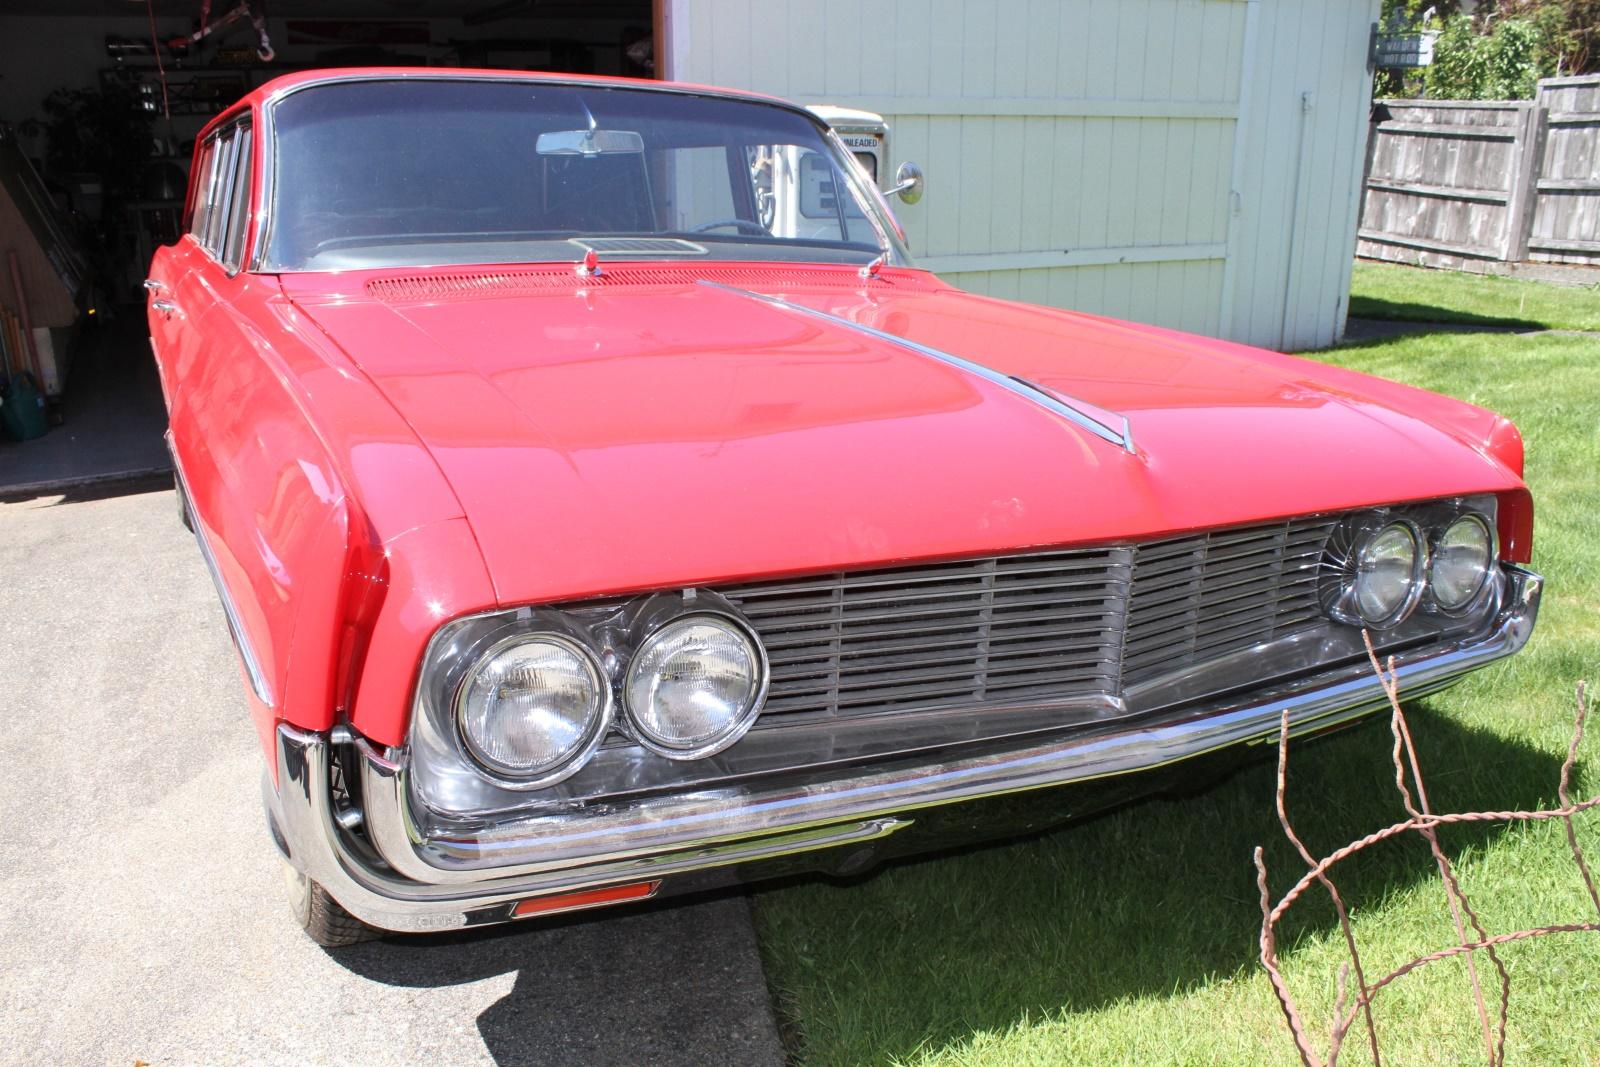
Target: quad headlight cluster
x=683 y=675
x=1385 y=565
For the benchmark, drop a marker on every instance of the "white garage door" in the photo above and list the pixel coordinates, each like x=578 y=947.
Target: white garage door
x=1191 y=163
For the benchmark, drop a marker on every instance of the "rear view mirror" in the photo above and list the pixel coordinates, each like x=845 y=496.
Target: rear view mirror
x=590 y=143
x=909 y=183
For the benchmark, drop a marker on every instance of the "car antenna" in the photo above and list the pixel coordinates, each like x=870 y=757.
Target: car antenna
x=589 y=265
x=871 y=270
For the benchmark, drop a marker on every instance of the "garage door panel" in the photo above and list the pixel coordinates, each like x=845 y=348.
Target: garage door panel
x=1091 y=145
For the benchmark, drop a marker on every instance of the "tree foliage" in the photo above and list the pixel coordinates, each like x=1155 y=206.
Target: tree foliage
x=1496 y=50
x=1503 y=64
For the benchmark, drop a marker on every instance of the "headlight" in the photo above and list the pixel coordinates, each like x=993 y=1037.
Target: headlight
x=533 y=707
x=1462 y=558
x=1388 y=565
x=694 y=686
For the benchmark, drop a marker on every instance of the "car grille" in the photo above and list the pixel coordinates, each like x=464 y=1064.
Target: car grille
x=976 y=631
x=1206 y=596
x=1016 y=629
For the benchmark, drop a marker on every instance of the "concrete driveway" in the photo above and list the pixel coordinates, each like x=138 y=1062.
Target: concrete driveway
x=142 y=915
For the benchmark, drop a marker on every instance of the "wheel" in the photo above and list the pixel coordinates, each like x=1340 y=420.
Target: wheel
x=183 y=506
x=322 y=917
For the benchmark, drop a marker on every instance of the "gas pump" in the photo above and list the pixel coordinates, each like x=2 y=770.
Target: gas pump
x=795 y=188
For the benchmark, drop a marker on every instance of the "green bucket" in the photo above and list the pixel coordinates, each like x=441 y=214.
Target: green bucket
x=22 y=410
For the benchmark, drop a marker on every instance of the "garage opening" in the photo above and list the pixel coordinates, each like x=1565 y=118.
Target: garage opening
x=100 y=103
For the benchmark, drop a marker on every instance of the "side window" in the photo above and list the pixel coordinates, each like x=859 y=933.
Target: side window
x=204 y=178
x=221 y=181
x=238 y=204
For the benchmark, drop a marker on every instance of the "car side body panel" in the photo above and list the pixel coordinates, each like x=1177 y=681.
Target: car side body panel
x=300 y=564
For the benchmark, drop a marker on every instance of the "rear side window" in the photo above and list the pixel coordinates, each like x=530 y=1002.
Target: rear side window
x=221 y=183
x=238 y=203
x=222 y=197
x=205 y=172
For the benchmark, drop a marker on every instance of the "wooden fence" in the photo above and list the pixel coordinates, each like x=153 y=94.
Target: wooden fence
x=1464 y=184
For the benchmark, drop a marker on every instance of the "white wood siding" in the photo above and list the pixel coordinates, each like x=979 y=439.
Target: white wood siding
x=1083 y=153
x=1302 y=145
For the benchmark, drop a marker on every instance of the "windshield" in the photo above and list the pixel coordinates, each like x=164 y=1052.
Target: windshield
x=419 y=172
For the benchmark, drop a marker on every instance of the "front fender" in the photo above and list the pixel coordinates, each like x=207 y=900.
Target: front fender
x=433 y=573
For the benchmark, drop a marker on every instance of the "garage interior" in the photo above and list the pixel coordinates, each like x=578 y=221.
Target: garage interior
x=100 y=102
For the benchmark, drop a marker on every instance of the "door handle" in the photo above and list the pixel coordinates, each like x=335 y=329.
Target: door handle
x=166 y=307
x=153 y=285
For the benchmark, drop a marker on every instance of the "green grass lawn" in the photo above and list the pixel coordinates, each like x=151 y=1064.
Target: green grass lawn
x=1131 y=938
x=1414 y=294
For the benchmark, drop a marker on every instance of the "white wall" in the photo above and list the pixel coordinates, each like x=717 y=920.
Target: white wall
x=1141 y=158
x=1303 y=139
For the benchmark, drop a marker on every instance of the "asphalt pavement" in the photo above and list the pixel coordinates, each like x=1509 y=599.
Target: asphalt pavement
x=142 y=911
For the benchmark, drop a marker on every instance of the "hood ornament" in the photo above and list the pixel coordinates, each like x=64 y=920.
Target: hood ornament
x=589 y=265
x=1109 y=426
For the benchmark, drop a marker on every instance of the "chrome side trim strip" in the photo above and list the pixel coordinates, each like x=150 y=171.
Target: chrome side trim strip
x=1119 y=435
x=241 y=642
x=422 y=882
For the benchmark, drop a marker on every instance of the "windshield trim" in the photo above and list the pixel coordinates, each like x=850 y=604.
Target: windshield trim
x=889 y=241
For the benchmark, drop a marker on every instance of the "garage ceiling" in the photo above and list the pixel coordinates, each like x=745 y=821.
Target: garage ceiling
x=326 y=8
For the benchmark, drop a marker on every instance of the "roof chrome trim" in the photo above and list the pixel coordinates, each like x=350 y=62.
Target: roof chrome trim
x=1049 y=399
x=540 y=77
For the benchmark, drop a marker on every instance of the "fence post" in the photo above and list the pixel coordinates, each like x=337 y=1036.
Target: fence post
x=1528 y=163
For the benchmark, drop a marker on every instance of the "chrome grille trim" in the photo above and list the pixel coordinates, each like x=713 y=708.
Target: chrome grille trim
x=1060 y=626
x=968 y=632
x=1204 y=596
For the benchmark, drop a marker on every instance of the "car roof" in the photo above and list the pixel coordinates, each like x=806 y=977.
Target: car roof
x=264 y=94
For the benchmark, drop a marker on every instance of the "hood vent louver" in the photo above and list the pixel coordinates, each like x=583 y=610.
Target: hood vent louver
x=558 y=277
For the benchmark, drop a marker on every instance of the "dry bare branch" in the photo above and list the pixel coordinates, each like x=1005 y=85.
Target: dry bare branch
x=1423 y=821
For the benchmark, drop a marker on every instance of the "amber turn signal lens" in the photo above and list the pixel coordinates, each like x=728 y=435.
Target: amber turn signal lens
x=588 y=898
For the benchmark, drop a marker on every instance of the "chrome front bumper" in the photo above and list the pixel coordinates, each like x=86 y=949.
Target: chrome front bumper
x=400 y=877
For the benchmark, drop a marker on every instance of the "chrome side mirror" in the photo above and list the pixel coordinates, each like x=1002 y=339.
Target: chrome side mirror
x=909 y=183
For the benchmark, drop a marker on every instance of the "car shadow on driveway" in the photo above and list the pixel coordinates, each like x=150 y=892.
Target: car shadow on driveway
x=1155 y=898
x=668 y=983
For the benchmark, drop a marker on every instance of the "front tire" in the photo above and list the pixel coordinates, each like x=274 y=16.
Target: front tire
x=322 y=918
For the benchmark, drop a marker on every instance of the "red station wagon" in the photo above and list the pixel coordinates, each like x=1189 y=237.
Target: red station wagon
x=604 y=506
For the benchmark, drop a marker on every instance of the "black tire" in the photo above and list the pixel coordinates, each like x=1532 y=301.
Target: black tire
x=183 y=506
x=322 y=918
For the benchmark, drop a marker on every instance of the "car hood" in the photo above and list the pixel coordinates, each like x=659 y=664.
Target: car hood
x=646 y=429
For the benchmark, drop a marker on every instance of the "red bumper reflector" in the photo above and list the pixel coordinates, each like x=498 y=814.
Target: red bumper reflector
x=588 y=898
